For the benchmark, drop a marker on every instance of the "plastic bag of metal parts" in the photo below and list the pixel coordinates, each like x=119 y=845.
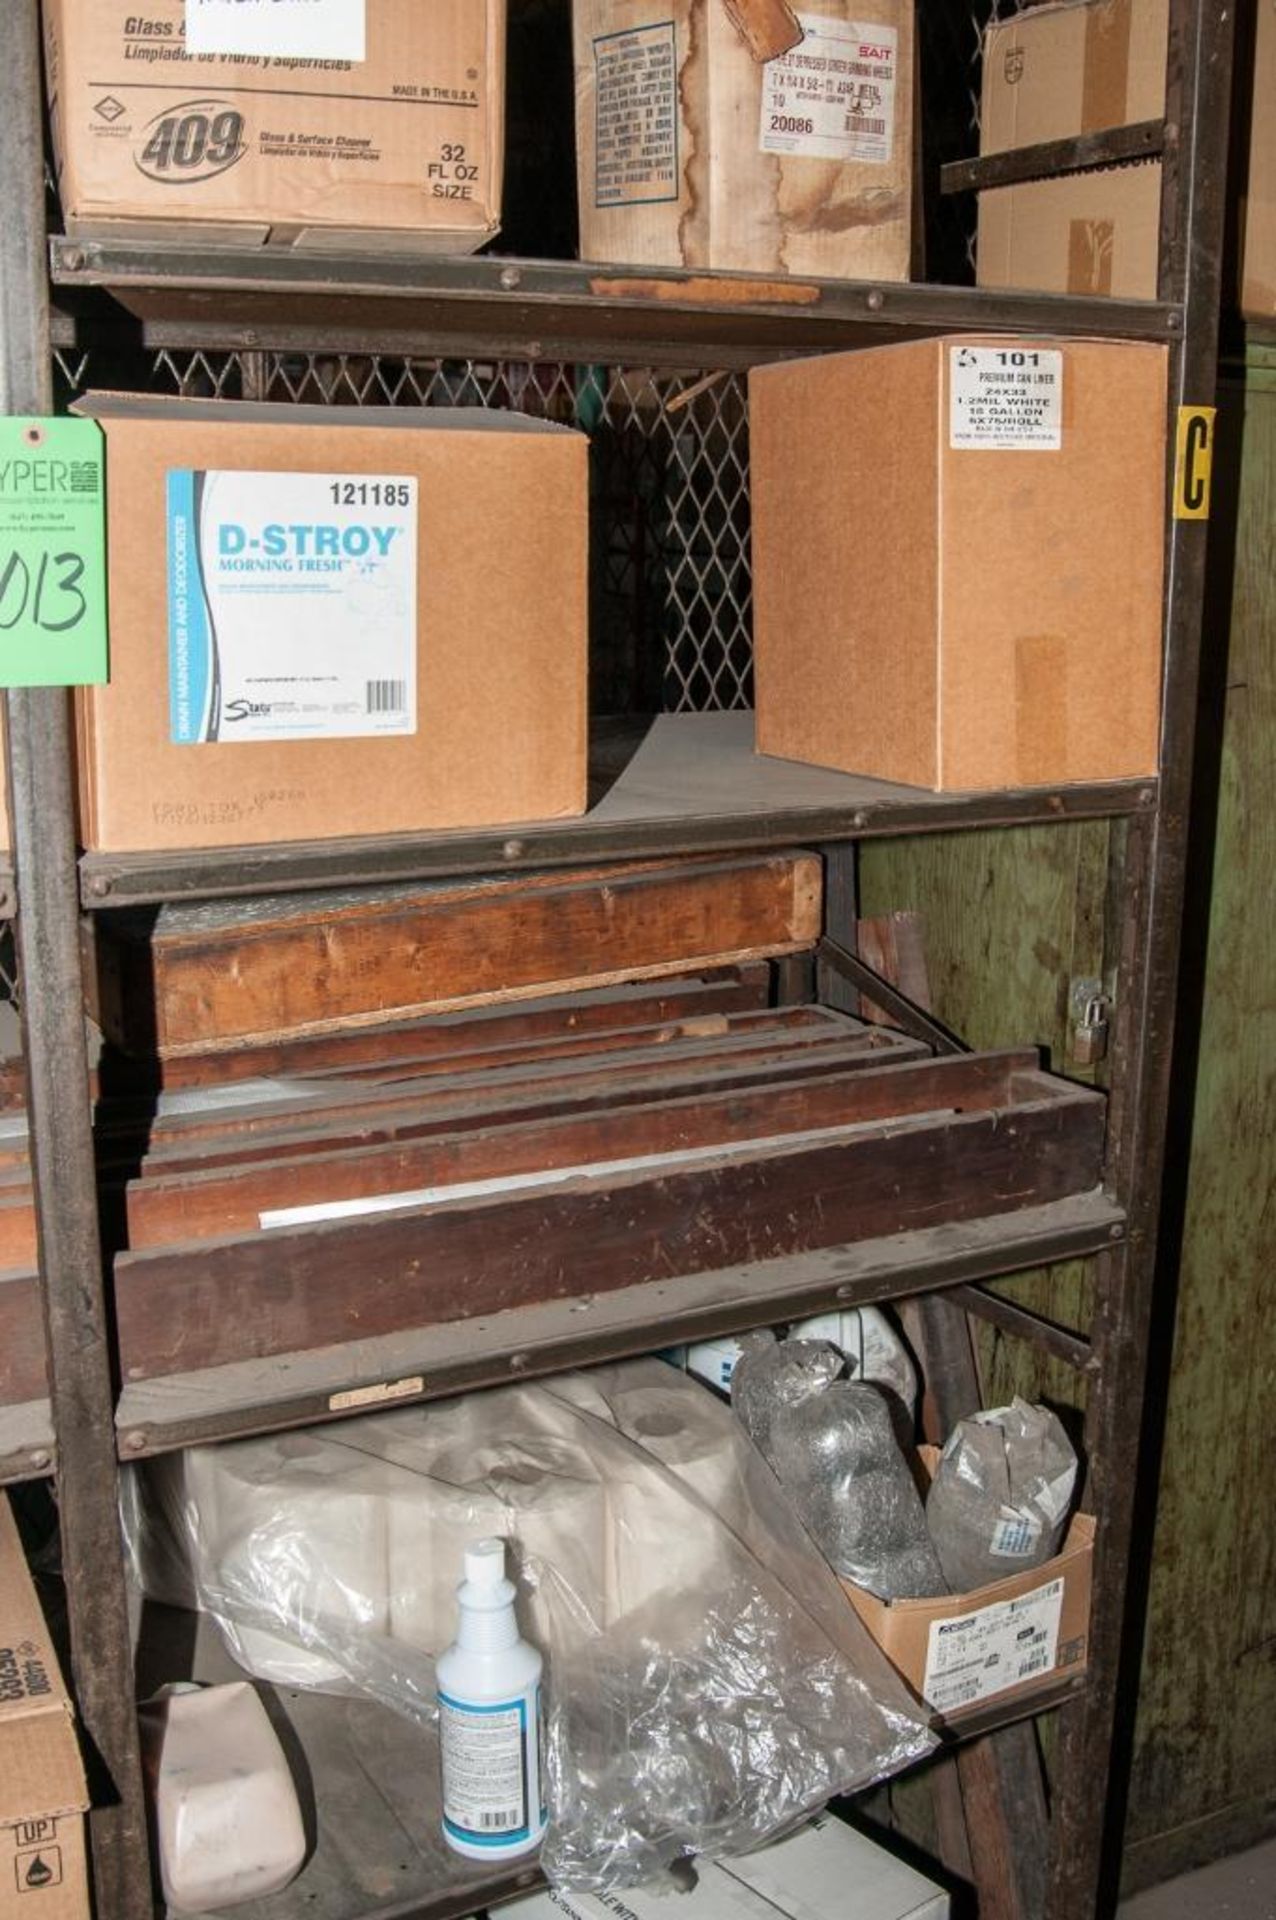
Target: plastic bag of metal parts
x=707 y=1681
x=999 y=1501
x=836 y=1454
x=770 y=1378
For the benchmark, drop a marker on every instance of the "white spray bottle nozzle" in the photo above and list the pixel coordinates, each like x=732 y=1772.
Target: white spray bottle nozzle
x=485 y=1564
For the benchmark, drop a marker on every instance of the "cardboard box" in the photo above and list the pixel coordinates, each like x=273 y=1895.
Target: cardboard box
x=1006 y=1638
x=1056 y=71
x=692 y=153
x=326 y=621
x=957 y=560
x=401 y=149
x=811 y=1875
x=43 y=1798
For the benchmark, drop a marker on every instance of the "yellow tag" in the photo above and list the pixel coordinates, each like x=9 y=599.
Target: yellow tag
x=1193 y=461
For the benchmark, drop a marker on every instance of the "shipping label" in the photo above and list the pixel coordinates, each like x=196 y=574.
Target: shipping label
x=832 y=97
x=1005 y=398
x=1015 y=1535
x=291 y=605
x=636 y=117
x=983 y=1653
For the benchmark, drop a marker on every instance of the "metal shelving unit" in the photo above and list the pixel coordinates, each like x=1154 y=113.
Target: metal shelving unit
x=690 y=786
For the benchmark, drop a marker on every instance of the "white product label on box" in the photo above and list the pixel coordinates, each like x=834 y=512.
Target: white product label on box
x=832 y=97
x=279 y=29
x=983 y=1653
x=291 y=605
x=1005 y=397
x=636 y=117
x=1015 y=1535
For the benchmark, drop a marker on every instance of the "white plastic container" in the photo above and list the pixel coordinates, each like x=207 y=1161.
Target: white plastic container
x=226 y=1815
x=489 y=1687
x=714 y=1361
x=872 y=1348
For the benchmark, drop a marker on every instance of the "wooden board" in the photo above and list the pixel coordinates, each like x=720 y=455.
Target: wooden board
x=224 y=975
x=1026 y=1141
x=22 y=1366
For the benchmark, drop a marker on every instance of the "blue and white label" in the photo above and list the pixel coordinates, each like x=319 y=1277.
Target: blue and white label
x=491 y=1769
x=292 y=605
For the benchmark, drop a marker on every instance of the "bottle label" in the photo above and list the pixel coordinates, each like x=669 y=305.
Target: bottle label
x=487 y=1784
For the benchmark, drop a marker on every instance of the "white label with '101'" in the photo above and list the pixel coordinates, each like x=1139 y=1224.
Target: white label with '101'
x=1005 y=398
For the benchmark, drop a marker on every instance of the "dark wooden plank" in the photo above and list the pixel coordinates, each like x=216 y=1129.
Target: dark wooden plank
x=326 y=1383
x=208 y=1203
x=290 y=1290
x=22 y=1349
x=234 y=973
x=414 y=1117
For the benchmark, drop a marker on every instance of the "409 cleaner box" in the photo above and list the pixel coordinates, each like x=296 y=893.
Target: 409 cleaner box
x=327 y=623
x=957 y=560
x=693 y=153
x=403 y=148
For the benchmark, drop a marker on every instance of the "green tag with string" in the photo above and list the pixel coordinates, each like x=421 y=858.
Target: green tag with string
x=52 y=553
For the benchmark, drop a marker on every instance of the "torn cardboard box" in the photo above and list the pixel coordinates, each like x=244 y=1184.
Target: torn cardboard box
x=693 y=152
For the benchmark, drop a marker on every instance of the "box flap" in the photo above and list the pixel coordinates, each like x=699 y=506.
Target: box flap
x=41 y=1773
x=241 y=413
x=40 y=1769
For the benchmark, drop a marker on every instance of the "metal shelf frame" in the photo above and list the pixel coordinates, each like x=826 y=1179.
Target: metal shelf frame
x=557 y=311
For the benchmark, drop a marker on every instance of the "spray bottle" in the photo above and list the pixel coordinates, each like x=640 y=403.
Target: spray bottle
x=489 y=1686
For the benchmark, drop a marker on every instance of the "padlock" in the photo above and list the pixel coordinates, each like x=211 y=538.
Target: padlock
x=1091 y=1009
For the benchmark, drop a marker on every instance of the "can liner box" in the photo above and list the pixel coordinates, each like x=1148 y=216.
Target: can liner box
x=1000 y=1497
x=707 y=1682
x=837 y=1455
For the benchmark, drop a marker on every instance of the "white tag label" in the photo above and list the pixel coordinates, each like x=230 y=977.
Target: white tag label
x=287 y=29
x=1015 y=1536
x=374 y=1396
x=291 y=605
x=1007 y=397
x=832 y=97
x=997 y=1647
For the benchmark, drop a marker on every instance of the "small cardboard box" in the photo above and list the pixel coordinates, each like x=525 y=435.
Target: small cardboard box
x=326 y=621
x=1057 y=71
x=692 y=153
x=957 y=560
x=1006 y=1638
x=43 y=1798
x=808 y=1876
x=401 y=149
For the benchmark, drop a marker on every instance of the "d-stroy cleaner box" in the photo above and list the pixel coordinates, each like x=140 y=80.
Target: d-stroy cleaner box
x=271 y=142
x=957 y=560
x=42 y=1790
x=326 y=622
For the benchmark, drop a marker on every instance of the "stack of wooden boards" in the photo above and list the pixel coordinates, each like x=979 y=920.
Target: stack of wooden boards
x=320 y=1120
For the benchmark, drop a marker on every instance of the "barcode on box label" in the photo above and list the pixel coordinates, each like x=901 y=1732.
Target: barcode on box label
x=856 y=123
x=387 y=696
x=976 y=1655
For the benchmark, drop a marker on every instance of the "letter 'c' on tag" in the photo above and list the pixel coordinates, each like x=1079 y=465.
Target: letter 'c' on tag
x=1193 y=462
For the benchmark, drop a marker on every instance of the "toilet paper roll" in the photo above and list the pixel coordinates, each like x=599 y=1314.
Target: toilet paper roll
x=687 y=1431
x=541 y=1493
x=293 y=1528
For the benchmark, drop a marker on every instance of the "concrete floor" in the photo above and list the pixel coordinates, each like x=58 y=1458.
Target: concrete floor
x=1242 y=1888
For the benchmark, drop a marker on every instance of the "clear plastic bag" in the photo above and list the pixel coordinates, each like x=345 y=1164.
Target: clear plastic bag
x=1000 y=1497
x=707 y=1681
x=770 y=1378
x=838 y=1456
